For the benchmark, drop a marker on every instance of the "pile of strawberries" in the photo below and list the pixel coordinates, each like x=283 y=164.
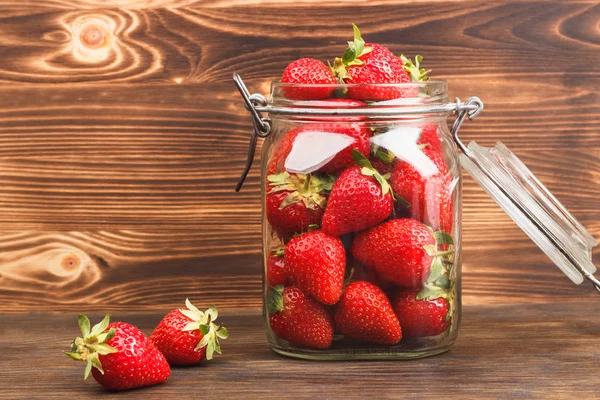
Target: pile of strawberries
x=366 y=239
x=120 y=357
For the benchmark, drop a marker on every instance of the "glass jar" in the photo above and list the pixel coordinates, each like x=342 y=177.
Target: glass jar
x=362 y=217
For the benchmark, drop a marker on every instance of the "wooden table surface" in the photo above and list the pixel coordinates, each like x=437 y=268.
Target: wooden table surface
x=513 y=351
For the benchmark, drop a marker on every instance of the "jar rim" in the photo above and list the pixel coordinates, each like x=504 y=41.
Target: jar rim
x=424 y=84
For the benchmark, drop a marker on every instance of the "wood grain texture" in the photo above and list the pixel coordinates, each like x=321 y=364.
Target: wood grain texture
x=519 y=351
x=122 y=136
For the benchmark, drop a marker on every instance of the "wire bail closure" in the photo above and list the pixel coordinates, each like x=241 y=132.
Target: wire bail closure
x=261 y=125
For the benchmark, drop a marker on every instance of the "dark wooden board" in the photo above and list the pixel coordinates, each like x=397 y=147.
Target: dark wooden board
x=117 y=162
x=520 y=351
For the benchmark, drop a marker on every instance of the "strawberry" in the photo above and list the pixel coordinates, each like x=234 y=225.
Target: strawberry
x=365 y=313
x=357 y=131
x=294 y=202
x=419 y=316
x=275 y=269
x=430 y=137
x=360 y=199
x=188 y=336
x=296 y=317
x=316 y=262
x=118 y=355
x=428 y=200
x=366 y=64
x=308 y=71
x=399 y=250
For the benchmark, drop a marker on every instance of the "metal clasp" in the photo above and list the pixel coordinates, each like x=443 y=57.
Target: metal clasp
x=261 y=125
x=471 y=108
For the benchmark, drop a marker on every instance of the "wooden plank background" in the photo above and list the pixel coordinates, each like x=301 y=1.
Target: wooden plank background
x=122 y=136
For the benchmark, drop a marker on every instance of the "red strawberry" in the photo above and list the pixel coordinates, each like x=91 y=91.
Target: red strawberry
x=294 y=202
x=368 y=64
x=316 y=262
x=360 y=199
x=299 y=319
x=188 y=336
x=397 y=250
x=275 y=269
x=430 y=137
x=357 y=131
x=308 y=71
x=122 y=357
x=420 y=317
x=365 y=313
x=428 y=200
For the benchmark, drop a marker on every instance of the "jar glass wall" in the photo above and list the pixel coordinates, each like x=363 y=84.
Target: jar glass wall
x=361 y=225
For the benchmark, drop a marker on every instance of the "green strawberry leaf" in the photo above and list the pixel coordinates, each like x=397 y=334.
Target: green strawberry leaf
x=210 y=349
x=84 y=325
x=73 y=355
x=279 y=251
x=361 y=160
x=275 y=299
x=103 y=348
x=212 y=313
x=349 y=55
x=93 y=357
x=437 y=269
x=203 y=342
x=100 y=326
x=222 y=333
x=385 y=156
x=106 y=336
x=443 y=282
x=430 y=292
x=191 y=326
x=204 y=329
x=88 y=369
x=417 y=74
x=442 y=237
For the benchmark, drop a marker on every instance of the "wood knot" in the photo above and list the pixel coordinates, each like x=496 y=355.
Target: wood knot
x=70 y=262
x=93 y=37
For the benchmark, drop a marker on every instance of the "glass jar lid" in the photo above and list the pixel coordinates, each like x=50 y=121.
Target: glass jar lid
x=497 y=170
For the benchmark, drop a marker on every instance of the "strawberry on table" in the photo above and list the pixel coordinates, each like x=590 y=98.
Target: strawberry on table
x=427 y=199
x=399 y=250
x=296 y=317
x=316 y=262
x=188 y=336
x=420 y=316
x=365 y=313
x=295 y=201
x=118 y=355
x=308 y=71
x=360 y=199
